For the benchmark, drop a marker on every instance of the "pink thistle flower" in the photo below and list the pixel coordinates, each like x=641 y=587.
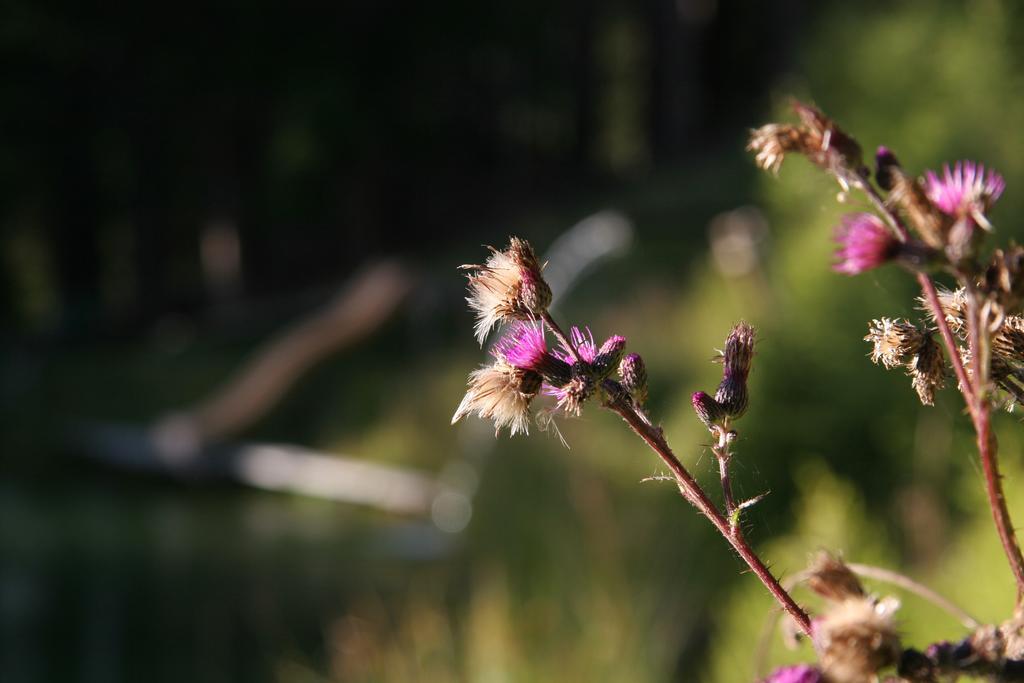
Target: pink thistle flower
x=864 y=243
x=966 y=190
x=583 y=343
x=525 y=347
x=800 y=673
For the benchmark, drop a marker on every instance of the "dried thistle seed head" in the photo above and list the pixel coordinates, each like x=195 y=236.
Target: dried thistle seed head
x=633 y=374
x=865 y=242
x=855 y=638
x=909 y=196
x=608 y=356
x=798 y=673
x=954 y=306
x=835 y=149
x=927 y=370
x=571 y=396
x=509 y=286
x=829 y=577
x=772 y=142
x=892 y=341
x=1008 y=341
x=708 y=410
x=500 y=392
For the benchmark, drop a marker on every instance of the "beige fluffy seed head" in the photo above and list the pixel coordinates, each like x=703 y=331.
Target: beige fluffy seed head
x=502 y=393
x=892 y=341
x=509 y=286
x=856 y=638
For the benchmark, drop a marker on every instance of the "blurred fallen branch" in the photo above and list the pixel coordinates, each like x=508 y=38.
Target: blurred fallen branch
x=367 y=301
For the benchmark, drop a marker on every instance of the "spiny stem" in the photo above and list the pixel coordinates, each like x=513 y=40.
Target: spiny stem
x=692 y=492
x=986 y=439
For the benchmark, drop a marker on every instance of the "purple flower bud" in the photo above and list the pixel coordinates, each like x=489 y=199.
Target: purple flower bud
x=708 y=410
x=608 y=356
x=739 y=351
x=800 y=673
x=633 y=374
x=864 y=243
x=885 y=163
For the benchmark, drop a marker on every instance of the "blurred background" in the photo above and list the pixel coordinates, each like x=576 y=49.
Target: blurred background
x=232 y=332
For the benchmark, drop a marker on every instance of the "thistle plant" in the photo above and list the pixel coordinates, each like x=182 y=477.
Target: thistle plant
x=510 y=289
x=930 y=225
x=970 y=336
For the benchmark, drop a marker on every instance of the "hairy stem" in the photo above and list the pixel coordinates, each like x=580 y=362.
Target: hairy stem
x=935 y=306
x=974 y=392
x=722 y=454
x=986 y=439
x=692 y=492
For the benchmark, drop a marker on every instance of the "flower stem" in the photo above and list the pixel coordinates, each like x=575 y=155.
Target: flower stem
x=722 y=454
x=691 y=491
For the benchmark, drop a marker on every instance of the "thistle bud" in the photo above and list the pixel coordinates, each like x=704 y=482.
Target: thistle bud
x=708 y=410
x=608 y=356
x=886 y=164
x=633 y=374
x=509 y=286
x=739 y=351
